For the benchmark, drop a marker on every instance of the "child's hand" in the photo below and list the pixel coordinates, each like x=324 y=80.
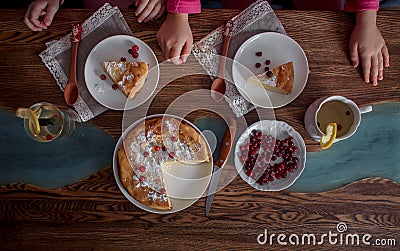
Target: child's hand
x=148 y=10
x=175 y=37
x=40 y=14
x=367 y=43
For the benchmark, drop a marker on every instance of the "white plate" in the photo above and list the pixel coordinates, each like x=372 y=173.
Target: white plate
x=277 y=48
x=186 y=184
x=282 y=131
x=112 y=49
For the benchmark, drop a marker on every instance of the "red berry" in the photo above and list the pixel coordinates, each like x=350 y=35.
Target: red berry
x=49 y=137
x=258 y=65
x=157 y=148
x=135 y=54
x=173 y=138
x=172 y=155
x=267 y=62
x=163 y=191
x=114 y=87
x=266 y=68
x=135 y=47
x=269 y=74
x=123 y=59
x=142 y=169
x=142 y=178
x=164 y=148
x=130 y=51
x=258 y=53
x=103 y=77
x=145 y=154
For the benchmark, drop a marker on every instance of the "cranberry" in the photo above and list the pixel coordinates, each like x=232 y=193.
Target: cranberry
x=142 y=177
x=284 y=175
x=258 y=65
x=269 y=74
x=157 y=148
x=114 y=87
x=267 y=62
x=270 y=178
x=295 y=159
x=290 y=169
x=273 y=158
x=163 y=191
x=49 y=137
x=266 y=68
x=130 y=51
x=146 y=154
x=164 y=148
x=135 y=47
x=258 y=53
x=173 y=138
x=123 y=59
x=142 y=169
x=172 y=155
x=278 y=175
x=135 y=54
x=103 y=77
x=248 y=173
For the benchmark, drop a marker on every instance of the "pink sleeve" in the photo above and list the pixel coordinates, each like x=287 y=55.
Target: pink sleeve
x=184 y=6
x=360 y=5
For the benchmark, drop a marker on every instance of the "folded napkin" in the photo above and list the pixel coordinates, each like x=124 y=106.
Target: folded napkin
x=105 y=22
x=257 y=18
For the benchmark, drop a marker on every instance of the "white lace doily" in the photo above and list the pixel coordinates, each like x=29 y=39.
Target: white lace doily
x=258 y=17
x=56 y=56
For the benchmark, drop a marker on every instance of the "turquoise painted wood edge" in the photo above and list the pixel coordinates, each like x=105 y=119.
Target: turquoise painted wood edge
x=373 y=151
x=54 y=164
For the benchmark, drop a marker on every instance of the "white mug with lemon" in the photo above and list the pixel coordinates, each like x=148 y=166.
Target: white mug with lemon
x=333 y=118
x=45 y=122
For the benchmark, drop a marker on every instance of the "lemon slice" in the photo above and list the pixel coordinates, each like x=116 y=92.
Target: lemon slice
x=26 y=113
x=327 y=140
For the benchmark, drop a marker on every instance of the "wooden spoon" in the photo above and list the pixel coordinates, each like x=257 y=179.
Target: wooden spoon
x=218 y=87
x=71 y=92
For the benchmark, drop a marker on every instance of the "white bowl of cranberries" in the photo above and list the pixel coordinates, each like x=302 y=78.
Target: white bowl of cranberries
x=270 y=155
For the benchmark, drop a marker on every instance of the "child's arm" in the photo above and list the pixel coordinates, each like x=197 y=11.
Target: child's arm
x=175 y=36
x=148 y=10
x=39 y=8
x=366 y=41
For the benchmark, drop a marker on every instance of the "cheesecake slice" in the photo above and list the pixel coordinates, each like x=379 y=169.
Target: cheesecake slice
x=128 y=76
x=280 y=79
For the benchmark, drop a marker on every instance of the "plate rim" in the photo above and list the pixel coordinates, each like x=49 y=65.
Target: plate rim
x=237 y=162
x=271 y=33
x=125 y=107
x=122 y=188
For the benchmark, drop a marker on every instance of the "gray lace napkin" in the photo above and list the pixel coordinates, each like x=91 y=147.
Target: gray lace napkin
x=257 y=18
x=105 y=22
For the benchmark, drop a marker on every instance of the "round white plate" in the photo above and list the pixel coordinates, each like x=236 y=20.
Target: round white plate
x=282 y=131
x=112 y=49
x=186 y=184
x=279 y=49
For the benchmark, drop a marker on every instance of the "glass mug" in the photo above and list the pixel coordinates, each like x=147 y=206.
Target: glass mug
x=338 y=109
x=55 y=122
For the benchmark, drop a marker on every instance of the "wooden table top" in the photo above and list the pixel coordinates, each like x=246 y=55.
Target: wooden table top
x=93 y=213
